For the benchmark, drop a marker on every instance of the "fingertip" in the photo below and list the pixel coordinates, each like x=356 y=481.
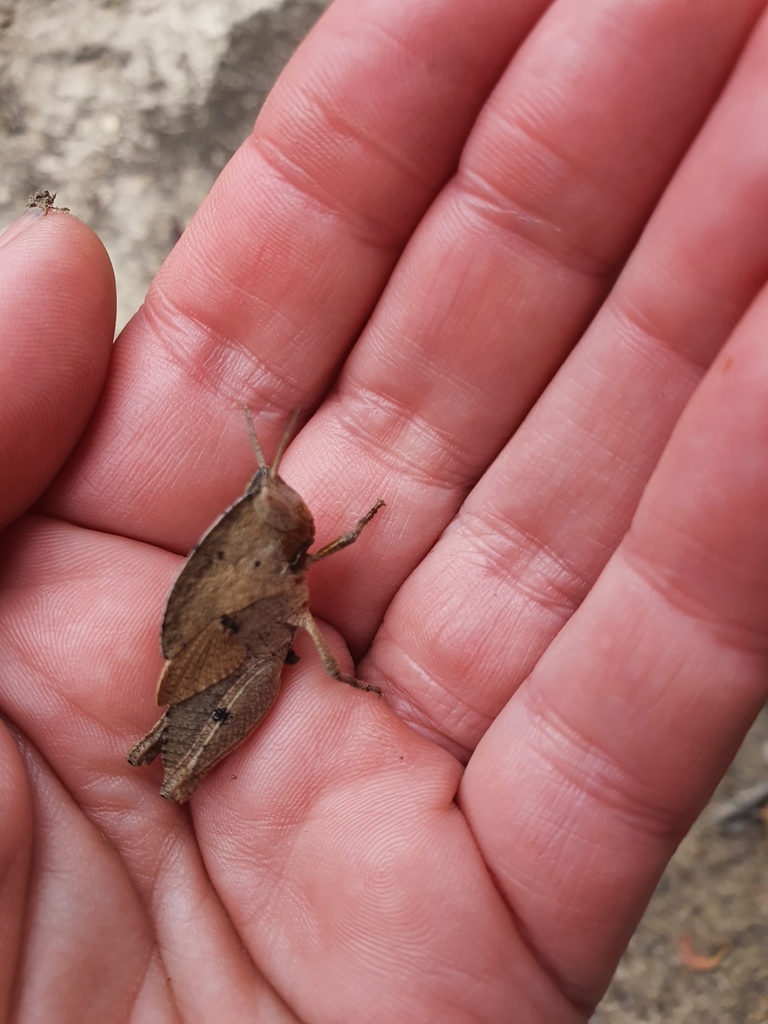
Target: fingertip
x=57 y=318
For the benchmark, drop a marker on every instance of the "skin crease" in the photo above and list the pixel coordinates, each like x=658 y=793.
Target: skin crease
x=512 y=257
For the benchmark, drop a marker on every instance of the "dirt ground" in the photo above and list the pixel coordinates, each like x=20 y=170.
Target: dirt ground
x=129 y=108
x=715 y=890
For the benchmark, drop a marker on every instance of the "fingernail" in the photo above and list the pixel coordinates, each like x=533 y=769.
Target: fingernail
x=21 y=223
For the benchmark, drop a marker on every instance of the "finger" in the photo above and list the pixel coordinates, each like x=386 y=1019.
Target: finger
x=600 y=763
x=471 y=622
x=78 y=638
x=57 y=310
x=558 y=176
x=89 y=952
x=15 y=849
x=278 y=272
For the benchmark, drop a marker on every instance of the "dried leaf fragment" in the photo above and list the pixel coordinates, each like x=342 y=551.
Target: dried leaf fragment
x=696 y=961
x=45 y=200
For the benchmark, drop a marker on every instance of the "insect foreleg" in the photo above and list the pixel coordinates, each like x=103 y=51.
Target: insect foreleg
x=346 y=538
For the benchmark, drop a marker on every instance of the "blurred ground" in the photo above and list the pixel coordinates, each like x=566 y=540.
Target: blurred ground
x=129 y=108
x=716 y=891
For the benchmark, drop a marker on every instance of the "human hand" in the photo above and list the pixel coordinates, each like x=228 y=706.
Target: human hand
x=594 y=677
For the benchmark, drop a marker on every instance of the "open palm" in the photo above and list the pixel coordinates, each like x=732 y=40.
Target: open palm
x=495 y=248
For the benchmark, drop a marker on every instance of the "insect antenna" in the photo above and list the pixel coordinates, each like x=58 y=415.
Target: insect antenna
x=254 y=440
x=284 y=442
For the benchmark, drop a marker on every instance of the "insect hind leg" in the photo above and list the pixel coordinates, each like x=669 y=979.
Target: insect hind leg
x=148 y=748
x=328 y=660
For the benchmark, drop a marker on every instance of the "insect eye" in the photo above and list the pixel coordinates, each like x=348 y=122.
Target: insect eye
x=298 y=560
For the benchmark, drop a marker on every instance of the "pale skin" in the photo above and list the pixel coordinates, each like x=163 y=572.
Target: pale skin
x=568 y=619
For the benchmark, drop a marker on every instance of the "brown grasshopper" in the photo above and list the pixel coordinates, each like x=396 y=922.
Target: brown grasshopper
x=229 y=624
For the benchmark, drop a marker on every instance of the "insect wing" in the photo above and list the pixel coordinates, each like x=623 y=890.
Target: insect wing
x=244 y=557
x=205 y=727
x=210 y=656
x=219 y=576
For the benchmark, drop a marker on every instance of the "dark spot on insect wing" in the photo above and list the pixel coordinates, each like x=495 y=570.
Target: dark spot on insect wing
x=291 y=657
x=256 y=564
x=230 y=624
x=220 y=555
x=221 y=715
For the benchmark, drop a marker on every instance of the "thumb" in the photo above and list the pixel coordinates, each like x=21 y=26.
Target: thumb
x=57 y=320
